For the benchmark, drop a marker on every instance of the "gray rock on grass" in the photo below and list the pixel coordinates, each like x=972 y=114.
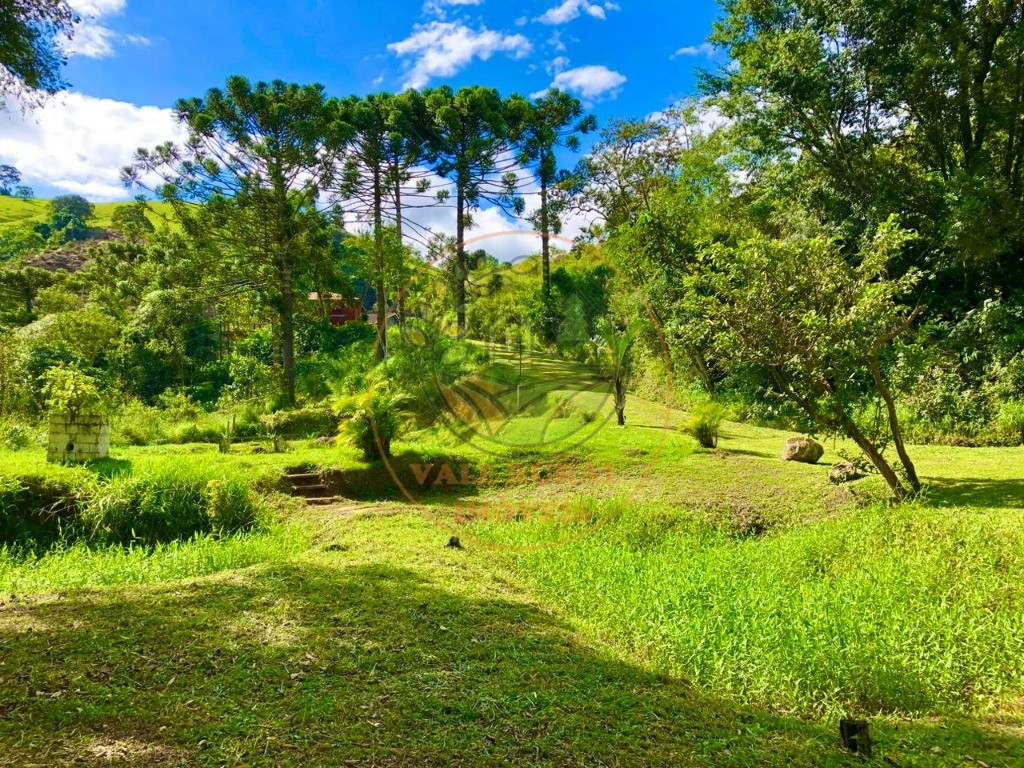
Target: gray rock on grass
x=803 y=450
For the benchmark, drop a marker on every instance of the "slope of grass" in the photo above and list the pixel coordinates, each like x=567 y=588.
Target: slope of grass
x=701 y=608
x=383 y=647
x=15 y=212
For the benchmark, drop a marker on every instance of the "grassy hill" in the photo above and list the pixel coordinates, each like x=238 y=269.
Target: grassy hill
x=15 y=212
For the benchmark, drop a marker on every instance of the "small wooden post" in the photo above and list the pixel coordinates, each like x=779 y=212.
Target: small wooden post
x=856 y=737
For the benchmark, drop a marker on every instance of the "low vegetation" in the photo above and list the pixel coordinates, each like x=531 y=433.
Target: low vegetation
x=739 y=461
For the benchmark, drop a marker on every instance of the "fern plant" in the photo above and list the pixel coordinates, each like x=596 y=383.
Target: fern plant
x=372 y=420
x=705 y=423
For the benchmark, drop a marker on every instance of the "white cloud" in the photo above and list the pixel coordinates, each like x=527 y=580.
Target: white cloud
x=591 y=83
x=98 y=8
x=555 y=41
x=438 y=7
x=704 y=49
x=557 y=65
x=568 y=10
x=441 y=49
x=91 y=38
x=79 y=143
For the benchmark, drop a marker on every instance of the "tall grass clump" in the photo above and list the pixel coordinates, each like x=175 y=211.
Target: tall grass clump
x=1010 y=421
x=905 y=610
x=170 y=503
x=705 y=423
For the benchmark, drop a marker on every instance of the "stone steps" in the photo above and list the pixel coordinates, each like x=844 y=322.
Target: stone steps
x=310 y=487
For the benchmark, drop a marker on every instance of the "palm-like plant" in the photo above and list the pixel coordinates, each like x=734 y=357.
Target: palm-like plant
x=372 y=420
x=617 y=361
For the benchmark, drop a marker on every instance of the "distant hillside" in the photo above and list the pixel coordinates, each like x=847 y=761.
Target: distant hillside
x=15 y=212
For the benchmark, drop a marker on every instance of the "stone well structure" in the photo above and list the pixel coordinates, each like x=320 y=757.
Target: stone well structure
x=81 y=438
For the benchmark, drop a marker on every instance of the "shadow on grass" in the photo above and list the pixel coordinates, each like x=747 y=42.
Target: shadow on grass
x=976 y=492
x=371 y=664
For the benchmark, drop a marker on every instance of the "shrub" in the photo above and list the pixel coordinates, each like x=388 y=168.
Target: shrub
x=169 y=505
x=137 y=424
x=705 y=423
x=178 y=406
x=301 y=424
x=69 y=390
x=1010 y=420
x=14 y=437
x=40 y=508
x=372 y=420
x=195 y=432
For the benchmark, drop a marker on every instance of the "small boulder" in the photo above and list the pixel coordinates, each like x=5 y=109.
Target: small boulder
x=802 y=449
x=844 y=472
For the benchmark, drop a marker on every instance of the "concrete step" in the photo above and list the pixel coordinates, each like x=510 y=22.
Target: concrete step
x=311 y=490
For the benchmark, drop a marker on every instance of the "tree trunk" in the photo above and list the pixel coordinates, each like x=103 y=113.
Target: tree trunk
x=378 y=246
x=288 y=334
x=545 y=238
x=620 y=400
x=402 y=289
x=874 y=455
x=460 y=260
x=849 y=427
x=894 y=425
x=700 y=362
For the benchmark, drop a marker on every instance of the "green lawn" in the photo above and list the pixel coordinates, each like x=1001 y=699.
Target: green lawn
x=700 y=608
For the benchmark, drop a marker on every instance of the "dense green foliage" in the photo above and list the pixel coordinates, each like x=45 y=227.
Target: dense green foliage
x=31 y=54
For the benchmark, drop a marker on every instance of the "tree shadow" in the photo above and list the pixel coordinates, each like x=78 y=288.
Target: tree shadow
x=370 y=664
x=975 y=492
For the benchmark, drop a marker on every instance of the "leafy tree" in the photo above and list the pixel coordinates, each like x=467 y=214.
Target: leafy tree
x=555 y=121
x=661 y=249
x=69 y=390
x=258 y=156
x=24 y=192
x=67 y=222
x=19 y=241
x=819 y=330
x=131 y=221
x=31 y=55
x=862 y=109
x=472 y=131
x=165 y=342
x=619 y=178
x=10 y=383
x=71 y=207
x=10 y=177
x=87 y=334
x=377 y=163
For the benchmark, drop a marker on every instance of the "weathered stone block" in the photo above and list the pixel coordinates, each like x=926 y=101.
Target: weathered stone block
x=84 y=438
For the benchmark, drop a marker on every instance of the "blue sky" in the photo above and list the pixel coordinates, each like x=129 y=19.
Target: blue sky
x=133 y=58
x=194 y=44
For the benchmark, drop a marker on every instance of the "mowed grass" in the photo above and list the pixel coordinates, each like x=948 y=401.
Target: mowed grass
x=699 y=608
